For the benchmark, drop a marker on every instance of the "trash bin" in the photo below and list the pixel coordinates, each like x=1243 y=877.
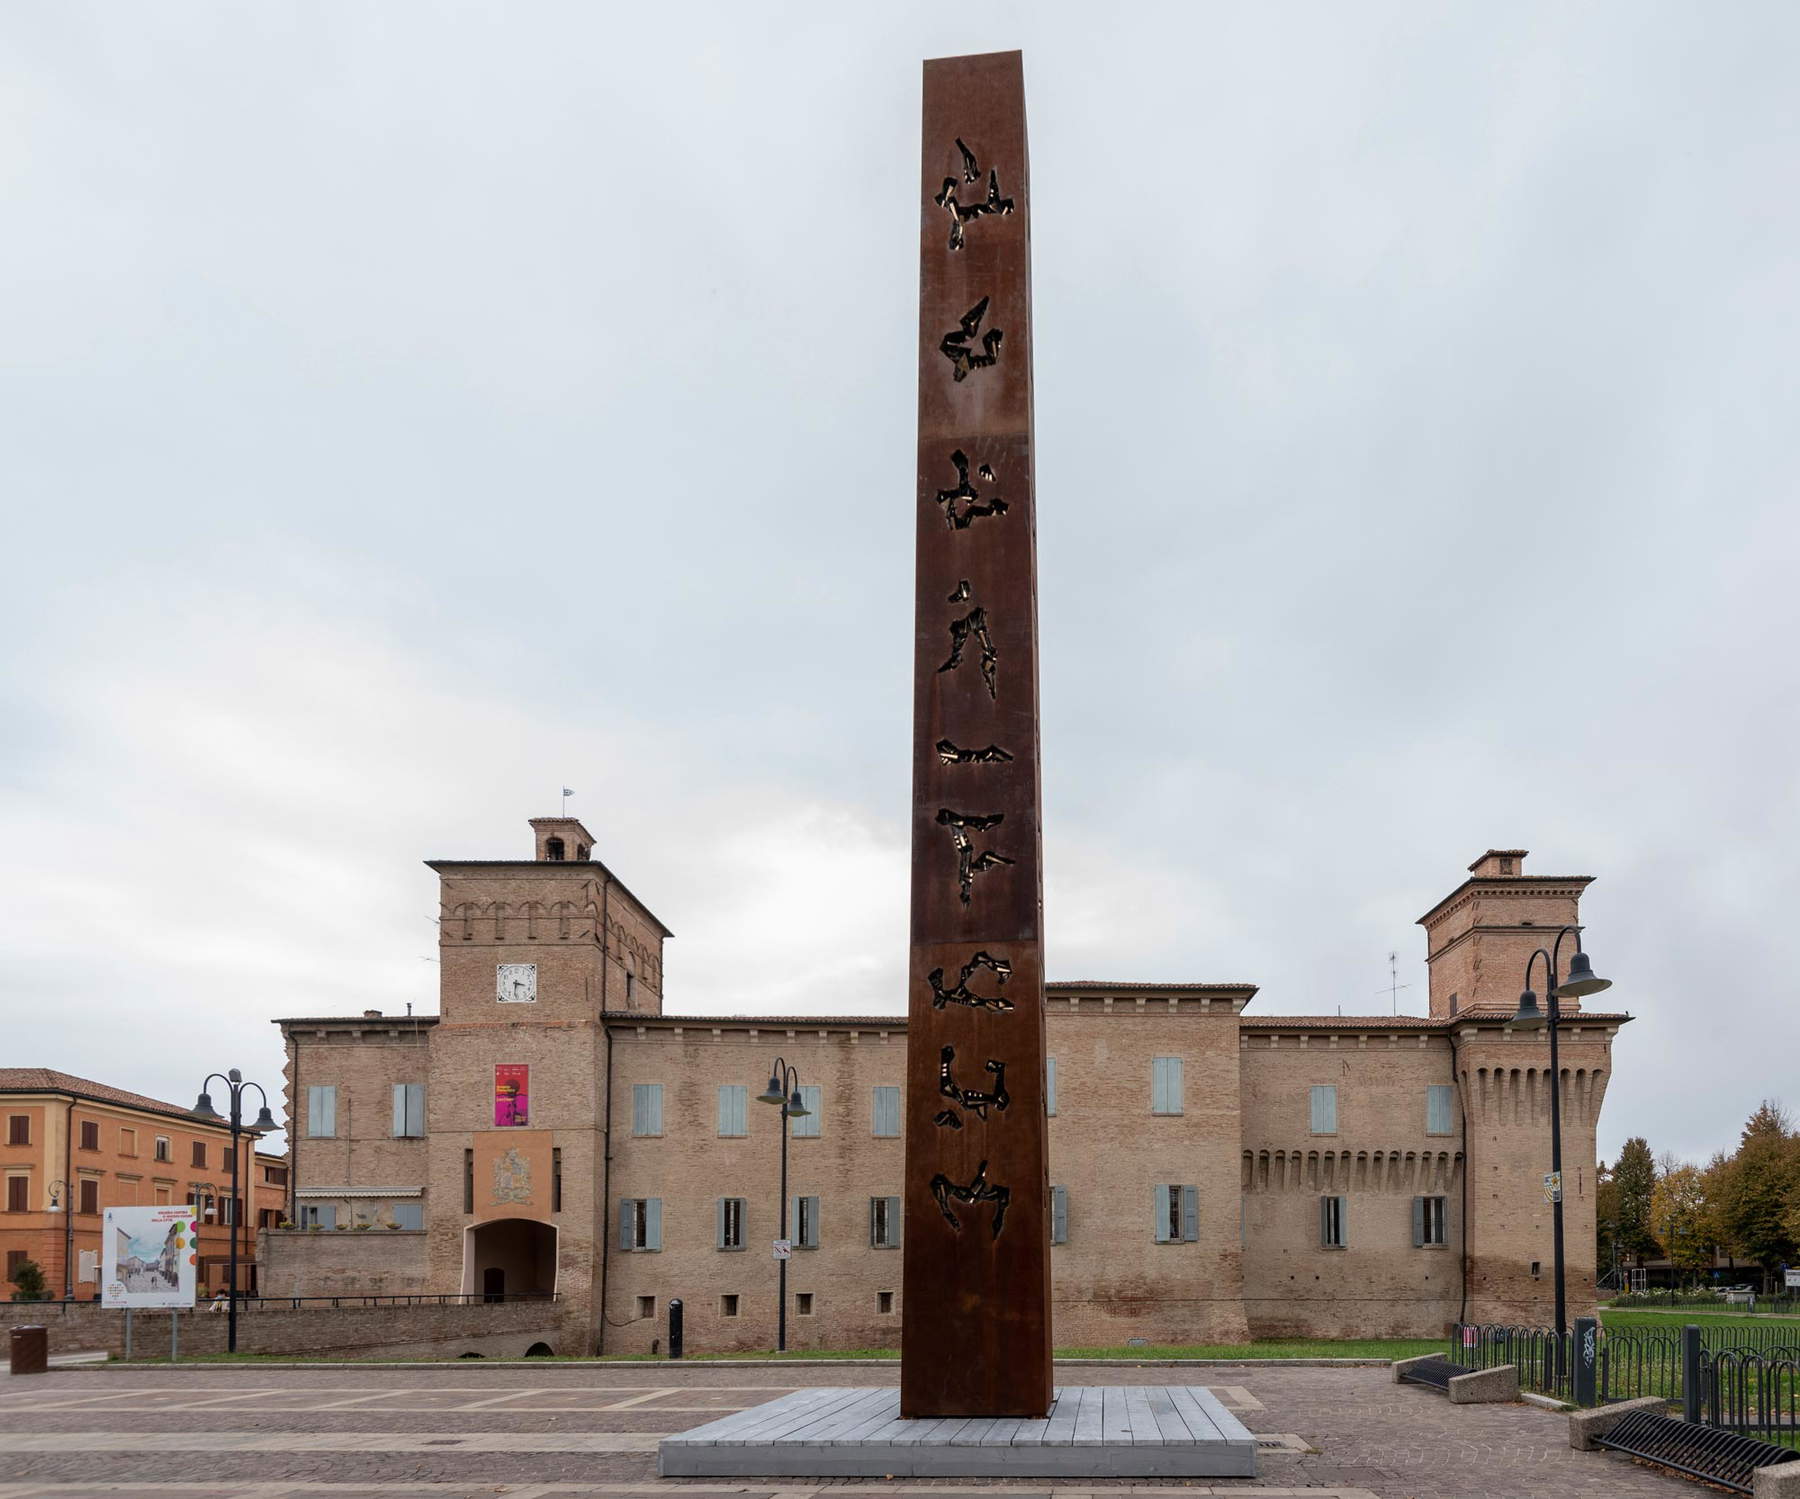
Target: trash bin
x=30 y=1350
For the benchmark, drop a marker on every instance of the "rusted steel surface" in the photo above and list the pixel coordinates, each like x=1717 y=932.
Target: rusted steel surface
x=976 y=1315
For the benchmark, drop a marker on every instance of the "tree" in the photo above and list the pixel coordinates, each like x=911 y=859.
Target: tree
x=1680 y=1219
x=1606 y=1219
x=30 y=1282
x=1755 y=1187
x=1634 y=1177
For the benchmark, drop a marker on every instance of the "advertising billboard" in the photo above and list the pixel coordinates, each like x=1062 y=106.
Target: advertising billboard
x=148 y=1256
x=512 y=1095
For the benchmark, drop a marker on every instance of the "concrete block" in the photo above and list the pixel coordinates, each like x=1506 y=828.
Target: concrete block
x=1486 y=1386
x=1587 y=1427
x=1779 y=1482
x=1399 y=1367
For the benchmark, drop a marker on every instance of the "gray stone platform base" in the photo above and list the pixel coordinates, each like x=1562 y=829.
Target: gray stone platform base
x=1092 y=1431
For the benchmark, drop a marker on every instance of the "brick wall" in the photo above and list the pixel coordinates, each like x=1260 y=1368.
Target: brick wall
x=503 y=1330
x=375 y=1262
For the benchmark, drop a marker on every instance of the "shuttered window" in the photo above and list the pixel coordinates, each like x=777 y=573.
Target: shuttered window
x=729 y=1216
x=1333 y=1227
x=1431 y=1222
x=887 y=1112
x=640 y=1223
x=409 y=1110
x=321 y=1112
x=1324 y=1109
x=88 y=1200
x=1440 y=1106
x=1049 y=1085
x=1165 y=1085
x=1177 y=1211
x=409 y=1215
x=804 y=1216
x=1059 y=1215
x=734 y=1117
x=646 y=1109
x=811 y=1099
x=318 y=1215
x=884 y=1222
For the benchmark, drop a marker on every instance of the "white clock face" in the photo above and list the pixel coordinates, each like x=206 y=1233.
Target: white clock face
x=515 y=983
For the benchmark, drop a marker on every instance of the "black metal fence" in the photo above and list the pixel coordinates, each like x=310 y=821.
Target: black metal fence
x=1740 y=1379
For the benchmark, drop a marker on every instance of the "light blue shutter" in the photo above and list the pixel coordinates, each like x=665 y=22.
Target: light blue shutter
x=1162 y=1215
x=733 y=1119
x=409 y=1110
x=327 y=1215
x=627 y=1223
x=1059 y=1215
x=805 y=1219
x=811 y=1100
x=653 y=1223
x=1165 y=1085
x=646 y=1108
x=1418 y=1223
x=1190 y=1214
x=887 y=1112
x=1049 y=1085
x=719 y=1223
x=893 y=1222
x=1324 y=1219
x=409 y=1215
x=399 y=1111
x=1439 y=1103
x=321 y=1110
x=1324 y=1109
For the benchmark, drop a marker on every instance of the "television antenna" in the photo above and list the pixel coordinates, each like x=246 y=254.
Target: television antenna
x=1394 y=985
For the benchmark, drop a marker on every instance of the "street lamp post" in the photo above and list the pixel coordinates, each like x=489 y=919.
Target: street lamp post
x=1581 y=982
x=57 y=1189
x=784 y=1092
x=265 y=1121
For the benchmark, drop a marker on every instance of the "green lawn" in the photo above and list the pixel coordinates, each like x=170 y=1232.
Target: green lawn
x=1672 y=1321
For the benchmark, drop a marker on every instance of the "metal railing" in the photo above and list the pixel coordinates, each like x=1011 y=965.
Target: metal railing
x=1740 y=1379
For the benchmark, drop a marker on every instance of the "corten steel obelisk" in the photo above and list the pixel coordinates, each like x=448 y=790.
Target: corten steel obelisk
x=976 y=1330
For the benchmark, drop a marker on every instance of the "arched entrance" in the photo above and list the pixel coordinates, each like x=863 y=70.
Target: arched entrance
x=510 y=1257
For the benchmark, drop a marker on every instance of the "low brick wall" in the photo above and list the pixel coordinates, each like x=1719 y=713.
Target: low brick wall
x=493 y=1330
x=340 y=1262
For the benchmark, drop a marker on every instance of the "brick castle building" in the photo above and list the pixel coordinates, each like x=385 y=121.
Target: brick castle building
x=1216 y=1175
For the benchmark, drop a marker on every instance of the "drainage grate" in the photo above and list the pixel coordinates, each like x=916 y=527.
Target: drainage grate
x=1721 y=1457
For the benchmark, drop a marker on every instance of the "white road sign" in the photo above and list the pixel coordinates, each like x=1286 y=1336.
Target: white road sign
x=784 y=1249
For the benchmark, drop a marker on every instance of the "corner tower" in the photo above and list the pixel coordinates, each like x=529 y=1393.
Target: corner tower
x=532 y=954
x=1479 y=936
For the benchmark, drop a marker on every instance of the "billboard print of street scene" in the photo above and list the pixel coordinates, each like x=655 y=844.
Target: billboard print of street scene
x=150 y=1262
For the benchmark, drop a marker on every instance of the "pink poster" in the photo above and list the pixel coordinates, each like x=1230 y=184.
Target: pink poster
x=512 y=1095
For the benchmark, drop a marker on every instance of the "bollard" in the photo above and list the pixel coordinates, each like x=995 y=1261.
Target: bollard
x=1587 y=1357
x=675 y=1310
x=1690 y=1373
x=30 y=1352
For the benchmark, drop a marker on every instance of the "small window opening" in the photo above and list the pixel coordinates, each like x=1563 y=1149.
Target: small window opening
x=1537 y=1269
x=803 y=1303
x=553 y=849
x=728 y=1306
x=581 y=853
x=884 y=1302
x=646 y=1307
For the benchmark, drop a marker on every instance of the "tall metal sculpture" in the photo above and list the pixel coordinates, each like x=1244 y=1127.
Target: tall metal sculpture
x=976 y=1328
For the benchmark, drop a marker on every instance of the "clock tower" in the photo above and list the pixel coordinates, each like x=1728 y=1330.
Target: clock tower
x=533 y=954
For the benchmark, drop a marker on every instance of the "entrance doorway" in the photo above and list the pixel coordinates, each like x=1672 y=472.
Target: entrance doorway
x=510 y=1257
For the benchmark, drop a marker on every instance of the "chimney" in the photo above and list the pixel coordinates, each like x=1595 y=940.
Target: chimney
x=1499 y=863
x=371 y=1014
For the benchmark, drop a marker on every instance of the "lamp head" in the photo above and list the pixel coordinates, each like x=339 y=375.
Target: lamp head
x=1582 y=980
x=265 y=1121
x=772 y=1093
x=1530 y=1017
x=796 y=1109
x=205 y=1109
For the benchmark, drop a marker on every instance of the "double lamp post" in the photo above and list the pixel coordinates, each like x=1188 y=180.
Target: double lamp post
x=783 y=1092
x=235 y=1087
x=1581 y=982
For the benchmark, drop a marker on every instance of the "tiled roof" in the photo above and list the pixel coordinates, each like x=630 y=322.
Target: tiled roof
x=1405 y=1022
x=369 y=1020
x=48 y=1080
x=1134 y=984
x=770 y=1022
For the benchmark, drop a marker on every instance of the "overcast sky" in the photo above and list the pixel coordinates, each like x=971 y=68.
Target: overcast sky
x=408 y=410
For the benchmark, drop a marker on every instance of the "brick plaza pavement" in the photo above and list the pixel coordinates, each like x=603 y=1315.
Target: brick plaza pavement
x=525 y=1431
